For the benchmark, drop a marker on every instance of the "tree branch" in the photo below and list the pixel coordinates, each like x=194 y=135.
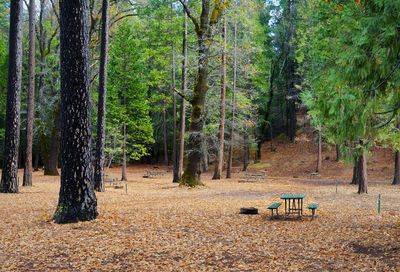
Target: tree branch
x=190 y=15
x=181 y=95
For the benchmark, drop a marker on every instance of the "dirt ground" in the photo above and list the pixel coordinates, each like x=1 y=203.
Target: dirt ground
x=159 y=226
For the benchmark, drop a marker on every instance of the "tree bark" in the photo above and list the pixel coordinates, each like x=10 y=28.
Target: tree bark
x=51 y=161
x=396 y=178
x=183 y=102
x=220 y=151
x=362 y=174
x=123 y=177
x=27 y=181
x=101 y=107
x=165 y=133
x=204 y=30
x=337 y=152
x=77 y=200
x=246 y=150
x=175 y=127
x=233 y=102
x=9 y=179
x=319 y=159
x=354 y=180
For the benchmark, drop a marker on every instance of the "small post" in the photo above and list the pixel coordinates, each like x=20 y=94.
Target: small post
x=126 y=187
x=379 y=203
x=337 y=184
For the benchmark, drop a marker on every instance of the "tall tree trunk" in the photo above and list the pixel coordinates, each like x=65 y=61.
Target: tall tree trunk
x=101 y=106
x=123 y=177
x=258 y=153
x=246 y=150
x=220 y=152
x=337 y=152
x=354 y=180
x=191 y=176
x=319 y=159
x=233 y=106
x=27 y=181
x=174 y=136
x=291 y=98
x=77 y=200
x=396 y=178
x=204 y=29
x=183 y=102
x=51 y=162
x=362 y=174
x=165 y=133
x=9 y=178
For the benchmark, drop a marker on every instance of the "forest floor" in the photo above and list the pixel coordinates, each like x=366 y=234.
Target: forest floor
x=159 y=226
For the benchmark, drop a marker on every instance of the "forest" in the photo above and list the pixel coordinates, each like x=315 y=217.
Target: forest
x=160 y=126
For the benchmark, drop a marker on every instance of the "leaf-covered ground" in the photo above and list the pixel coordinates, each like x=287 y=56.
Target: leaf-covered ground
x=158 y=226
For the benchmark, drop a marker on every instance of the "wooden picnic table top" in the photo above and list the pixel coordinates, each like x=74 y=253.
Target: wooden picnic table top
x=293 y=196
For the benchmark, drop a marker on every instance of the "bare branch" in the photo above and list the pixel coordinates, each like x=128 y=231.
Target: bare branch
x=182 y=95
x=190 y=15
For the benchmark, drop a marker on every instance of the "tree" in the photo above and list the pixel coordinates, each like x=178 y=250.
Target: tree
x=221 y=134
x=101 y=106
x=204 y=29
x=9 y=178
x=77 y=199
x=233 y=105
x=127 y=94
x=182 y=127
x=27 y=181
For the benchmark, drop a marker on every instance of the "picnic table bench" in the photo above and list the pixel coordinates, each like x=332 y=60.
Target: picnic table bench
x=313 y=207
x=274 y=206
x=154 y=173
x=116 y=183
x=254 y=176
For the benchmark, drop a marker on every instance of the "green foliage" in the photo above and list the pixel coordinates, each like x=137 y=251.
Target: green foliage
x=127 y=91
x=348 y=55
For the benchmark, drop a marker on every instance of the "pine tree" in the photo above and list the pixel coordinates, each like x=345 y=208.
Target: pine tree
x=9 y=178
x=77 y=199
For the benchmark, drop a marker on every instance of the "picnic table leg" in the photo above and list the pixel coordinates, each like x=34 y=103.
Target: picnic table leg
x=286 y=208
x=301 y=207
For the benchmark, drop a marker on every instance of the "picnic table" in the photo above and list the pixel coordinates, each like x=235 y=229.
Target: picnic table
x=254 y=176
x=291 y=207
x=154 y=173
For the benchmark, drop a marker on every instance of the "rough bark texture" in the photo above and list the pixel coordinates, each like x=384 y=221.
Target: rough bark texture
x=165 y=134
x=319 y=158
x=246 y=150
x=51 y=158
x=101 y=106
x=220 y=151
x=233 y=106
x=362 y=174
x=123 y=176
x=9 y=179
x=27 y=181
x=204 y=30
x=183 y=102
x=354 y=180
x=175 y=127
x=396 y=178
x=191 y=176
x=77 y=201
